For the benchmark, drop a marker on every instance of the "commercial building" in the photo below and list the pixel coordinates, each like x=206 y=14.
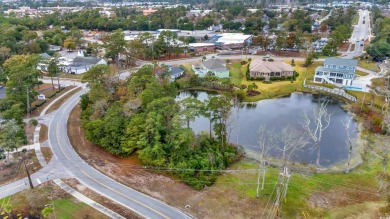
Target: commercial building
x=232 y=40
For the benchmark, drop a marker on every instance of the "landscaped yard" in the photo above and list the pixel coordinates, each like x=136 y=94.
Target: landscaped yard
x=275 y=89
x=31 y=202
x=368 y=64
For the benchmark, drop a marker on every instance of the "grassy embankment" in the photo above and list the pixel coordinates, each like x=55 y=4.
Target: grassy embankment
x=368 y=64
x=314 y=195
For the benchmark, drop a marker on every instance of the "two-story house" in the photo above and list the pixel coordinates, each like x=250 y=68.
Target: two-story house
x=336 y=71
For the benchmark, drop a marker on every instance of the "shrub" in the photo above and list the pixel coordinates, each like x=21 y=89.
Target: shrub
x=252 y=93
x=34 y=122
x=267 y=82
x=52 y=95
x=40 y=103
x=243 y=86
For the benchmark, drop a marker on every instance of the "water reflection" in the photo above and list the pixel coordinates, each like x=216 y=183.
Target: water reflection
x=276 y=114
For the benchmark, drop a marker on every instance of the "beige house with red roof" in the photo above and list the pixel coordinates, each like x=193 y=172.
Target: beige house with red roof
x=266 y=69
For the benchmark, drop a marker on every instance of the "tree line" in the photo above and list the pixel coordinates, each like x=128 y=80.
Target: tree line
x=141 y=116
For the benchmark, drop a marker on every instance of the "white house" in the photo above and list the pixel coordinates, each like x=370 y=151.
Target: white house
x=81 y=64
x=214 y=67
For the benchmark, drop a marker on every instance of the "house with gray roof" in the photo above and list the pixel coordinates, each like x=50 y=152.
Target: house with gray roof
x=81 y=64
x=212 y=67
x=266 y=69
x=175 y=72
x=340 y=72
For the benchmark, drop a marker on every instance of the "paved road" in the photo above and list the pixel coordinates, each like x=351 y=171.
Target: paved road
x=360 y=33
x=65 y=154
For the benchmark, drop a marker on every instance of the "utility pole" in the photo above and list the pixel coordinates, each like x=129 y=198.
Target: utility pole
x=28 y=102
x=281 y=192
x=28 y=174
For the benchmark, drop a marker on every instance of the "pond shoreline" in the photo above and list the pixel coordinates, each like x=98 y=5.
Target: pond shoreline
x=337 y=166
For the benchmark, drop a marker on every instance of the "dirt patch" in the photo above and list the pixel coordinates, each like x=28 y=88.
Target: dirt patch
x=43 y=133
x=340 y=197
x=344 y=47
x=63 y=99
x=14 y=169
x=211 y=202
x=353 y=47
x=125 y=212
x=47 y=153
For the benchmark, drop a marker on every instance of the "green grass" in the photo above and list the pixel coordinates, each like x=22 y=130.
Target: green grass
x=302 y=186
x=67 y=209
x=360 y=73
x=355 y=19
x=368 y=64
x=276 y=88
x=237 y=73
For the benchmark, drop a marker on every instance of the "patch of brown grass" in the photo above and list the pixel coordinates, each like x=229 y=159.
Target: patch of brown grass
x=63 y=99
x=43 y=133
x=125 y=212
x=14 y=170
x=47 y=153
x=37 y=111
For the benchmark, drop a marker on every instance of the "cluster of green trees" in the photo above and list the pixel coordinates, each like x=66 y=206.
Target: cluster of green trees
x=18 y=38
x=340 y=26
x=380 y=46
x=299 y=21
x=20 y=76
x=141 y=116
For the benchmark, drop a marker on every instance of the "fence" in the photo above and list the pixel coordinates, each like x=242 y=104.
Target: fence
x=334 y=91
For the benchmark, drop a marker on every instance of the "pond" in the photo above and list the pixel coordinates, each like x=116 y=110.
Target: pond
x=276 y=114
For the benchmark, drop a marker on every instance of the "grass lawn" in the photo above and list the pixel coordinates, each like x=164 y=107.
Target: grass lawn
x=276 y=89
x=65 y=206
x=71 y=208
x=355 y=19
x=368 y=97
x=368 y=64
x=360 y=73
x=339 y=189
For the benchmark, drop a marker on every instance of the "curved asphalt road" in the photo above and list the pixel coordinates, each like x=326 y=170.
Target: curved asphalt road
x=95 y=180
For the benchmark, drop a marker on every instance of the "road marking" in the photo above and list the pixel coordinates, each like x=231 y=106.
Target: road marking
x=59 y=144
x=11 y=188
x=125 y=196
x=39 y=181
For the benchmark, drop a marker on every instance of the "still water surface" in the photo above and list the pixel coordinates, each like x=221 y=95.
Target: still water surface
x=276 y=114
